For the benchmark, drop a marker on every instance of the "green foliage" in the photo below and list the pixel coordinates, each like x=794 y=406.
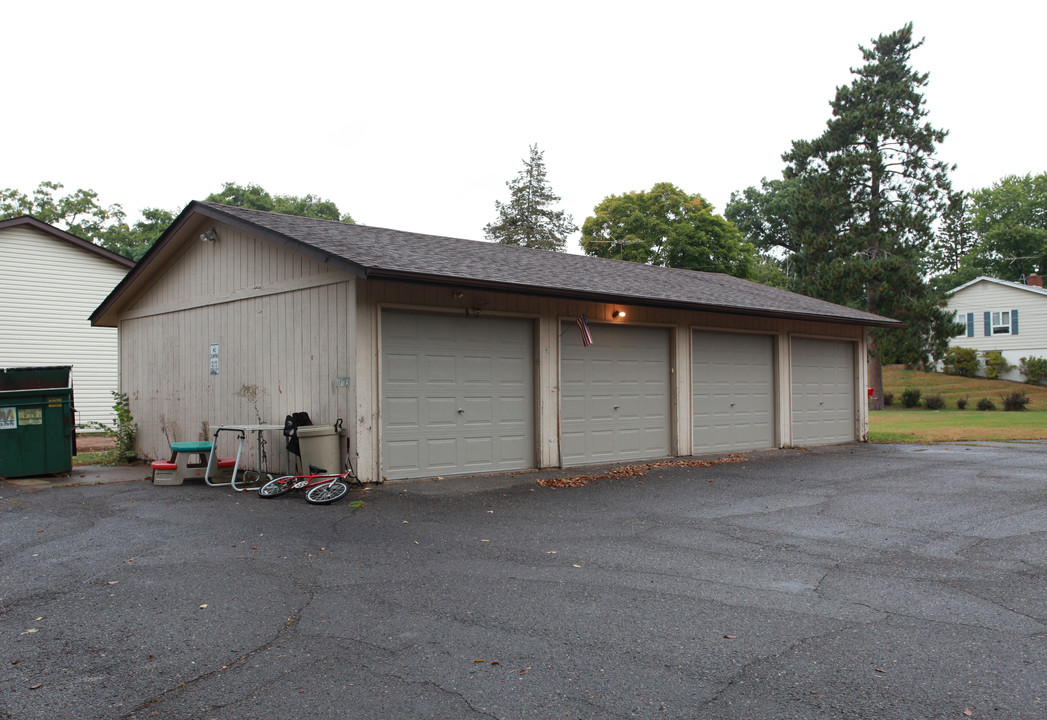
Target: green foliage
x=857 y=210
x=1016 y=400
x=1010 y=217
x=888 y=399
x=954 y=240
x=934 y=402
x=123 y=431
x=911 y=397
x=961 y=361
x=1034 y=369
x=669 y=227
x=767 y=216
x=80 y=214
x=528 y=219
x=986 y=404
x=961 y=403
x=255 y=197
x=135 y=240
x=995 y=364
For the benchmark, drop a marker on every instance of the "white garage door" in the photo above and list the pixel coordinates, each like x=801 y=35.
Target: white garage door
x=823 y=391
x=457 y=395
x=733 y=392
x=614 y=402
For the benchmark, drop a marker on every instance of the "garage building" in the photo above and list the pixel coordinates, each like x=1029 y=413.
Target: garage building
x=446 y=356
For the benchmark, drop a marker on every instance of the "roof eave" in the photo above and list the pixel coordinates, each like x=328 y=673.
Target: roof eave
x=447 y=281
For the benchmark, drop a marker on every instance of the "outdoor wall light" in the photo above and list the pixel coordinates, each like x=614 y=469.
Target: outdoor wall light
x=209 y=236
x=618 y=314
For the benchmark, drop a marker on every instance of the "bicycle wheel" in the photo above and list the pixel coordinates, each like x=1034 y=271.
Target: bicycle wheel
x=274 y=488
x=327 y=493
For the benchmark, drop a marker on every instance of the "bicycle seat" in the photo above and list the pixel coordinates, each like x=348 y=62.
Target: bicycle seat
x=313 y=470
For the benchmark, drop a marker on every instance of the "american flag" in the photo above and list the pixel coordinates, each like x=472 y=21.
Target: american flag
x=583 y=325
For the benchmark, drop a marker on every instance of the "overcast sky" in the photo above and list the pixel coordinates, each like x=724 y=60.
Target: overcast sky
x=413 y=115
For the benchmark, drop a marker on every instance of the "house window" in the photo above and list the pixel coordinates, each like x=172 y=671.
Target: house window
x=1001 y=322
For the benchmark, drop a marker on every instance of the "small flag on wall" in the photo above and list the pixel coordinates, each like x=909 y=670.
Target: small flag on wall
x=583 y=325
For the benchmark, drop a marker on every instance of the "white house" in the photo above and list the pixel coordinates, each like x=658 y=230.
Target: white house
x=50 y=282
x=1000 y=315
x=448 y=356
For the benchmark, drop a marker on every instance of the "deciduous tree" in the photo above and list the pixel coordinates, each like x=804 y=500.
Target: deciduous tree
x=256 y=197
x=667 y=226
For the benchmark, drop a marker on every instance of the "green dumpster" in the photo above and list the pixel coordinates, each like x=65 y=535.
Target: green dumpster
x=37 y=425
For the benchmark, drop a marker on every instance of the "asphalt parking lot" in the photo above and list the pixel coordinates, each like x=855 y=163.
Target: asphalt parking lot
x=862 y=581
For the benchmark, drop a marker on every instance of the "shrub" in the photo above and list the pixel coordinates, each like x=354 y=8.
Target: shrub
x=934 y=402
x=911 y=397
x=961 y=361
x=888 y=399
x=1016 y=400
x=123 y=432
x=961 y=403
x=995 y=364
x=986 y=404
x=1034 y=369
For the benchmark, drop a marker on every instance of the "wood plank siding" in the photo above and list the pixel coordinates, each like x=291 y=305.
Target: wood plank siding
x=282 y=324
x=48 y=290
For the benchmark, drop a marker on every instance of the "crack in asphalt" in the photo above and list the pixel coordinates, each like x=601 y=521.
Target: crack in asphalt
x=287 y=627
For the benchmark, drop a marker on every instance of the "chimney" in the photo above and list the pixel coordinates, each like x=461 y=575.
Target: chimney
x=1034 y=280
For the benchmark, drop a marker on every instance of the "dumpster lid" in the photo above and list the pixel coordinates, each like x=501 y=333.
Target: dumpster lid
x=35 y=378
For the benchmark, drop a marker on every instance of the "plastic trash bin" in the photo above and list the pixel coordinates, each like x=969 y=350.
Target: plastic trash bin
x=322 y=446
x=37 y=425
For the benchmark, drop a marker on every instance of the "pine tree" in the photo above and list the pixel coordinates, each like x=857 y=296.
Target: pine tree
x=528 y=219
x=871 y=189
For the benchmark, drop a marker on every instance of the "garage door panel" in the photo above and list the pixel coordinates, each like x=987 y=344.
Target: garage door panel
x=732 y=391
x=823 y=391
x=402 y=413
x=615 y=395
x=444 y=364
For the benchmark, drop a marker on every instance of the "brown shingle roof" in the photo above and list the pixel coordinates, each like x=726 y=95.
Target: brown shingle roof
x=380 y=253
x=394 y=254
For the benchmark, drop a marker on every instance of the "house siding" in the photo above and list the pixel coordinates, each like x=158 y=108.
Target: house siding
x=973 y=302
x=48 y=290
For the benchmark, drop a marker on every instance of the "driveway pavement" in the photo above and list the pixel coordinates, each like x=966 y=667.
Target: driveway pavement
x=860 y=581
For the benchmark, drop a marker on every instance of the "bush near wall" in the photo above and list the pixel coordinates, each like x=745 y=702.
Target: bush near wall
x=995 y=364
x=1034 y=369
x=961 y=361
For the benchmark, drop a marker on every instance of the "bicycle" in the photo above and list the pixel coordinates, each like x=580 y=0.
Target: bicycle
x=320 y=486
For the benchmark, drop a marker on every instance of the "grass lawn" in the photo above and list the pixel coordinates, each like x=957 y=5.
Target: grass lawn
x=918 y=424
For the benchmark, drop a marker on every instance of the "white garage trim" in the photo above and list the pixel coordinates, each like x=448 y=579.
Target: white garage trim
x=457 y=394
x=615 y=394
x=824 y=391
x=733 y=391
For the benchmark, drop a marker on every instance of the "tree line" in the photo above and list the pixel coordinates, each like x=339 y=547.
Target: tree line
x=864 y=215
x=81 y=214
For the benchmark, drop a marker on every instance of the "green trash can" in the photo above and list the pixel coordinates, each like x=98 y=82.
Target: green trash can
x=37 y=421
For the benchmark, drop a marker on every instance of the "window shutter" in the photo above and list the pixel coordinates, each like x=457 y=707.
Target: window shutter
x=970 y=324
x=1014 y=322
x=988 y=324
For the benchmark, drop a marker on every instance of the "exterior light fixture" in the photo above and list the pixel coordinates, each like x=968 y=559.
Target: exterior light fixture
x=209 y=236
x=618 y=314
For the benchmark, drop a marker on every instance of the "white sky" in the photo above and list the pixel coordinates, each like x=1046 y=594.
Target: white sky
x=413 y=115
